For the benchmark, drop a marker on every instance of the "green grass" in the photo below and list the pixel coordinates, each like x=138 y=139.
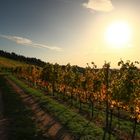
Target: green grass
x=125 y=126
x=74 y=122
x=77 y=125
x=21 y=126
x=8 y=63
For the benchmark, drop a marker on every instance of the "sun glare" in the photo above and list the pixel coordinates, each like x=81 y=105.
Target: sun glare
x=118 y=34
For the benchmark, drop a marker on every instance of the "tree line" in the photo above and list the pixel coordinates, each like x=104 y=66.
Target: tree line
x=28 y=60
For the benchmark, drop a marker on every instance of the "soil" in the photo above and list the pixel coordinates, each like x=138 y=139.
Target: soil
x=3 y=121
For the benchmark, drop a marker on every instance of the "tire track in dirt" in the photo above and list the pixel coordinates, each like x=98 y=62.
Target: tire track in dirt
x=3 y=121
x=48 y=124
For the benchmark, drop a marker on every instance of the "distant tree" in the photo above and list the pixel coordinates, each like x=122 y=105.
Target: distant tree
x=14 y=56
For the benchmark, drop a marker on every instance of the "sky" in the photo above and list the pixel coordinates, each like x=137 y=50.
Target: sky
x=69 y=31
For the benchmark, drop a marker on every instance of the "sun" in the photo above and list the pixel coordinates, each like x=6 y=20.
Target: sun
x=118 y=34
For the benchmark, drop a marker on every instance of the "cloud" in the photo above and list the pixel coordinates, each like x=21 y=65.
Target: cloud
x=99 y=5
x=28 y=42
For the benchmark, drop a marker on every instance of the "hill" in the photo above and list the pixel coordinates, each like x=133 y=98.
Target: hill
x=20 y=58
x=13 y=60
x=7 y=62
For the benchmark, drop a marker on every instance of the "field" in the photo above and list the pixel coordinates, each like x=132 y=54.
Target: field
x=70 y=70
x=70 y=103
x=5 y=62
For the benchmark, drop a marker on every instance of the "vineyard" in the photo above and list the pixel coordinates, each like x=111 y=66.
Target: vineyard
x=105 y=101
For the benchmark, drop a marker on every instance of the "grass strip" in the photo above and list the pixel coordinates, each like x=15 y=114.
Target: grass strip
x=77 y=125
x=21 y=126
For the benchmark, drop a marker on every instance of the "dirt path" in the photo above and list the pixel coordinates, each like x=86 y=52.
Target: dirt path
x=49 y=126
x=3 y=121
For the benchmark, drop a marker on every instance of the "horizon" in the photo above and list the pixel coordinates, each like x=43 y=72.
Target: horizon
x=69 y=31
x=136 y=63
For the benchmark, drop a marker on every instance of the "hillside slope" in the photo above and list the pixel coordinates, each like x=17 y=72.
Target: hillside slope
x=6 y=62
x=21 y=58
